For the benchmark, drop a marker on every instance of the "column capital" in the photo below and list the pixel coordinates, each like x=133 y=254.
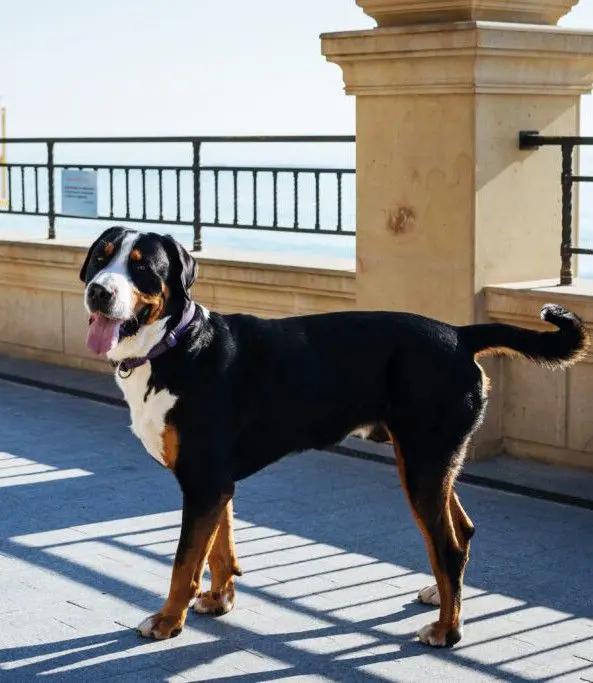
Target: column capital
x=401 y=12
x=463 y=58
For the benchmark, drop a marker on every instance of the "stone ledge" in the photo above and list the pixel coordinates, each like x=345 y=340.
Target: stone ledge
x=71 y=252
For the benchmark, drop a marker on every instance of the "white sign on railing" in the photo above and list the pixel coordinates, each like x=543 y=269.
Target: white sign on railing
x=79 y=193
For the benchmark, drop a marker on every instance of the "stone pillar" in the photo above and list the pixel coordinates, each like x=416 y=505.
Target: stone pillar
x=446 y=201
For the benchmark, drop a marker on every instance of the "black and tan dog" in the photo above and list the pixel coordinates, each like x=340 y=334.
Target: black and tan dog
x=216 y=398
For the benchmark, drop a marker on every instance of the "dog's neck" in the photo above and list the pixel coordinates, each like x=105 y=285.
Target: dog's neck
x=139 y=344
x=152 y=340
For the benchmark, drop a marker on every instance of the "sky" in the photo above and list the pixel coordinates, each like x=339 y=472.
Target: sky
x=182 y=67
x=151 y=67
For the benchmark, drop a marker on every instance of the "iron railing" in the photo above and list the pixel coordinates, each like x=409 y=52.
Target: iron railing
x=306 y=212
x=532 y=140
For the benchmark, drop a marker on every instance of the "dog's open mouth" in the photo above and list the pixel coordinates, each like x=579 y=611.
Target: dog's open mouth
x=103 y=333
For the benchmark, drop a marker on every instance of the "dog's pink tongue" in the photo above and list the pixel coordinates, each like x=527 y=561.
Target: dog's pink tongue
x=103 y=334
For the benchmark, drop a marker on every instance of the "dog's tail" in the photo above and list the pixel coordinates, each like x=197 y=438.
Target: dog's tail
x=557 y=349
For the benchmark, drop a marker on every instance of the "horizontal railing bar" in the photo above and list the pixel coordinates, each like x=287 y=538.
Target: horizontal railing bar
x=25 y=213
x=578 y=250
x=140 y=167
x=582 y=178
x=11 y=164
x=187 y=138
x=279 y=169
x=532 y=139
x=102 y=167
x=124 y=167
x=271 y=228
x=110 y=219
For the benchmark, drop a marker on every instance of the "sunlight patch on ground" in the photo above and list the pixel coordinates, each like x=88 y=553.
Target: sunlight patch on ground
x=18 y=471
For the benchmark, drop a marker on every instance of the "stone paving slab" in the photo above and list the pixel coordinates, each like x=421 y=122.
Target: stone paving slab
x=332 y=560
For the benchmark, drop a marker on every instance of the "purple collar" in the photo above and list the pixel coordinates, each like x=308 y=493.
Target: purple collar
x=170 y=340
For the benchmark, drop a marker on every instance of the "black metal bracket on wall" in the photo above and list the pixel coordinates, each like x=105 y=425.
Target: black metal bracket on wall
x=532 y=140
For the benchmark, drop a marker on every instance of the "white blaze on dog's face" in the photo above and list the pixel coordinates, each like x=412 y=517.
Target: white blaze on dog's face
x=133 y=281
x=114 y=279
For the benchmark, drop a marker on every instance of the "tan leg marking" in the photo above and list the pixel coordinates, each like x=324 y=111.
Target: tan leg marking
x=464 y=528
x=169 y=621
x=439 y=633
x=224 y=566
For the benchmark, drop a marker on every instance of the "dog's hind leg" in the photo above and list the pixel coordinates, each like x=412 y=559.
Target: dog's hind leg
x=224 y=566
x=427 y=477
x=464 y=530
x=464 y=527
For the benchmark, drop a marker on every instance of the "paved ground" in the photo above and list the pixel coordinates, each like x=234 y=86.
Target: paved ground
x=332 y=561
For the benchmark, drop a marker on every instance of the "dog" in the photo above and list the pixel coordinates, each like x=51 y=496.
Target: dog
x=215 y=398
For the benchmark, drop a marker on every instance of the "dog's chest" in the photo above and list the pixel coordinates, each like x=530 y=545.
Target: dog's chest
x=148 y=409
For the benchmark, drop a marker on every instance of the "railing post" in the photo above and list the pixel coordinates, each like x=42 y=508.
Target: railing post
x=566 y=246
x=51 y=213
x=197 y=198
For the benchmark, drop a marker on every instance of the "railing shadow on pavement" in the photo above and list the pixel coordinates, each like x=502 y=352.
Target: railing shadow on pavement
x=331 y=556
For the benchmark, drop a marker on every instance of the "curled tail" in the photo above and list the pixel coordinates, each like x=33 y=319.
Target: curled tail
x=560 y=348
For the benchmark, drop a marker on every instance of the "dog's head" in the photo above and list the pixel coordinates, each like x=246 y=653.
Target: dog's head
x=134 y=283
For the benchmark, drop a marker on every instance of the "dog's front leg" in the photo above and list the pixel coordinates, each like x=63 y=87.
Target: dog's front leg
x=224 y=566
x=197 y=535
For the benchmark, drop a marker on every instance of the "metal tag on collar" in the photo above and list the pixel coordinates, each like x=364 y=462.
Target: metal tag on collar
x=170 y=339
x=123 y=371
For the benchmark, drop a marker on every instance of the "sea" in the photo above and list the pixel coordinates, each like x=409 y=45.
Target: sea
x=282 y=156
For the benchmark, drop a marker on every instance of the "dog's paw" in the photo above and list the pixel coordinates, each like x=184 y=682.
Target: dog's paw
x=216 y=604
x=159 y=627
x=430 y=596
x=437 y=635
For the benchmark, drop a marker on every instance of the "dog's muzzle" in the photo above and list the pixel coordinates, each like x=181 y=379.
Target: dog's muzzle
x=109 y=302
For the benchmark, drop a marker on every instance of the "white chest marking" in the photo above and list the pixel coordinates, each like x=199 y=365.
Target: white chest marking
x=147 y=411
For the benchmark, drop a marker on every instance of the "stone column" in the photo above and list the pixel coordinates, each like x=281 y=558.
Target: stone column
x=446 y=201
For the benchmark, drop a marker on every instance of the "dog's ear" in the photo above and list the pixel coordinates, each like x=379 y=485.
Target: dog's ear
x=184 y=266
x=106 y=236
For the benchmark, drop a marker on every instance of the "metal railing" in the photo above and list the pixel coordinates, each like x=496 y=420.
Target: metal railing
x=305 y=212
x=532 y=140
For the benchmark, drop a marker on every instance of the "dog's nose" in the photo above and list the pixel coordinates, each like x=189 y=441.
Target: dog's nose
x=99 y=296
